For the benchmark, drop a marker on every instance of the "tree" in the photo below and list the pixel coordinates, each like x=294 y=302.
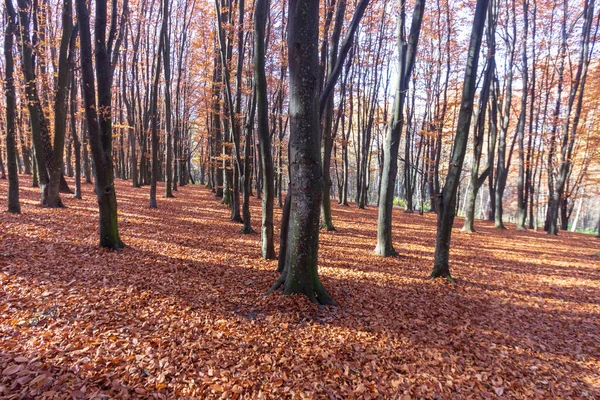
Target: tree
x=300 y=271
x=264 y=138
x=477 y=179
x=447 y=200
x=14 y=206
x=572 y=117
x=521 y=188
x=38 y=122
x=154 y=116
x=407 y=50
x=169 y=139
x=60 y=106
x=99 y=123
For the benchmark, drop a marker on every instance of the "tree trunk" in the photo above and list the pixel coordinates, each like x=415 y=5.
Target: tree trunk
x=571 y=119
x=76 y=141
x=168 y=127
x=476 y=179
x=521 y=188
x=392 y=140
x=327 y=120
x=60 y=105
x=264 y=138
x=39 y=125
x=447 y=202
x=14 y=205
x=300 y=272
x=99 y=125
x=154 y=121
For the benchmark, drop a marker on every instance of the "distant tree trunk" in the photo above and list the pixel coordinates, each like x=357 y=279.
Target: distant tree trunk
x=34 y=179
x=300 y=272
x=60 y=106
x=447 y=203
x=216 y=127
x=264 y=139
x=131 y=122
x=242 y=173
x=154 y=123
x=25 y=150
x=14 y=205
x=476 y=179
x=249 y=132
x=76 y=142
x=87 y=170
x=577 y=215
x=571 y=118
x=327 y=119
x=100 y=124
x=168 y=127
x=68 y=164
x=235 y=173
x=521 y=188
x=2 y=169
x=510 y=39
x=39 y=125
x=408 y=51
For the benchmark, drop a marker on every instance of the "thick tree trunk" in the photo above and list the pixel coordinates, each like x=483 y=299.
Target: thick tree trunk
x=99 y=125
x=300 y=273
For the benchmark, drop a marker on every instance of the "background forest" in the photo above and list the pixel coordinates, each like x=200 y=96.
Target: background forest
x=535 y=108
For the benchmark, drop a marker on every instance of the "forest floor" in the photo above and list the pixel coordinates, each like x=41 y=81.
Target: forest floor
x=181 y=312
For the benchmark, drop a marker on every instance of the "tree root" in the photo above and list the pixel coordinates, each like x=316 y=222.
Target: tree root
x=327 y=227
x=442 y=272
x=317 y=295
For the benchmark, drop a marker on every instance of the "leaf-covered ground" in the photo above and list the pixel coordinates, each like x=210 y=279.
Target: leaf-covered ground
x=181 y=313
